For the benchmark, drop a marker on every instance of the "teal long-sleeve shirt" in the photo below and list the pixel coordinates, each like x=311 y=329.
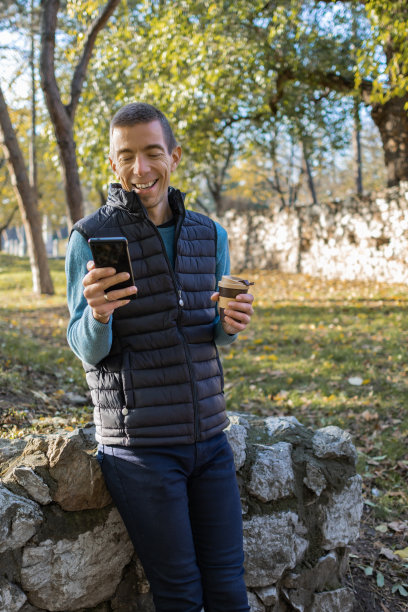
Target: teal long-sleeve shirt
x=91 y=340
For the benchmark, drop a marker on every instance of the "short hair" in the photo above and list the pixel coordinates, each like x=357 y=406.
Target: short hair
x=140 y=112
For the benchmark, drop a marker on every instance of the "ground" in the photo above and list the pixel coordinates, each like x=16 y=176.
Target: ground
x=327 y=352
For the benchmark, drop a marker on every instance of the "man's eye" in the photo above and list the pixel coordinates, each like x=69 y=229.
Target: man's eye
x=154 y=155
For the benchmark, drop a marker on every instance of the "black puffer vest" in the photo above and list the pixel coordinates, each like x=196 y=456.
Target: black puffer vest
x=162 y=381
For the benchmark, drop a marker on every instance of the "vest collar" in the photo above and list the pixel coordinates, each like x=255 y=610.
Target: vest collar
x=129 y=200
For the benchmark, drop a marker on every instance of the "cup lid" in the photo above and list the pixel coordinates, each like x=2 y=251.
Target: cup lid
x=238 y=280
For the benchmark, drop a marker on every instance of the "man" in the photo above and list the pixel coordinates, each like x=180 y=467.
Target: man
x=154 y=372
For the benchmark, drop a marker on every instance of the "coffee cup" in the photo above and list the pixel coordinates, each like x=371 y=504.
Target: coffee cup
x=229 y=287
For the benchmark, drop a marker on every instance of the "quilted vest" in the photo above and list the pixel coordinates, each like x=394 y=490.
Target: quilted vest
x=162 y=382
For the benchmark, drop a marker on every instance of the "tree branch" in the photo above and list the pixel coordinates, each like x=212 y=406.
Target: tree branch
x=49 y=83
x=81 y=67
x=8 y=220
x=326 y=80
x=203 y=206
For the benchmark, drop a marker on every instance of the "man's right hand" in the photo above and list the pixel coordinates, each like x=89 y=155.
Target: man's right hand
x=95 y=283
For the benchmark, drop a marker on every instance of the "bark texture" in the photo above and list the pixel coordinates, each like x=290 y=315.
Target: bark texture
x=27 y=202
x=63 y=115
x=392 y=121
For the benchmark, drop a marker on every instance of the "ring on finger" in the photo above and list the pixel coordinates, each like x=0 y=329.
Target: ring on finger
x=105 y=296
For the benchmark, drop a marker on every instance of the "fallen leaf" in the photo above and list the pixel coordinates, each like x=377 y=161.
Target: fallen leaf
x=388 y=553
x=380 y=579
x=369 y=416
x=402 y=553
x=356 y=381
x=398 y=526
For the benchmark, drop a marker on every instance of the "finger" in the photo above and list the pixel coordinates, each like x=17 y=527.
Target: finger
x=237 y=315
x=95 y=296
x=110 y=281
x=241 y=307
x=215 y=296
x=96 y=274
x=245 y=297
x=119 y=294
x=235 y=325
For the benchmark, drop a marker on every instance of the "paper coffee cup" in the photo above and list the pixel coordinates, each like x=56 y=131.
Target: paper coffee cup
x=229 y=287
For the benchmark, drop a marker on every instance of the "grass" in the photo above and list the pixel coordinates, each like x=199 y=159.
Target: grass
x=331 y=353
x=306 y=343
x=327 y=352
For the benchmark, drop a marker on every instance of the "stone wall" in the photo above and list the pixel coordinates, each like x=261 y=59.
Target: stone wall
x=63 y=545
x=365 y=238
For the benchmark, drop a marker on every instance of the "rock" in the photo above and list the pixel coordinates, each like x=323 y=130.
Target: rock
x=314 y=480
x=88 y=434
x=69 y=574
x=69 y=462
x=10 y=562
x=332 y=442
x=29 y=608
x=75 y=398
x=237 y=432
x=132 y=594
x=330 y=601
x=34 y=485
x=10 y=449
x=268 y=595
x=19 y=518
x=139 y=603
x=280 y=424
x=272 y=544
x=12 y=598
x=324 y=575
x=272 y=474
x=75 y=554
x=340 y=518
x=254 y=604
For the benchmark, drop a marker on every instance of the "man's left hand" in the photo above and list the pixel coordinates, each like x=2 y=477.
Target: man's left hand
x=238 y=313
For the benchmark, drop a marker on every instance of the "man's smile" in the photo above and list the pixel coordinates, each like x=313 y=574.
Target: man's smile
x=145 y=185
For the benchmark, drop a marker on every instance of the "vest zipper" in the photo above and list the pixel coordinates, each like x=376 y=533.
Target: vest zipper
x=180 y=305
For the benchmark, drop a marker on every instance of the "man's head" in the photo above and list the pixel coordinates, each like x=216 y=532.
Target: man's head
x=143 y=154
x=140 y=112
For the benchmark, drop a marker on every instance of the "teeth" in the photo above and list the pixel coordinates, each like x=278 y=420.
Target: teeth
x=144 y=185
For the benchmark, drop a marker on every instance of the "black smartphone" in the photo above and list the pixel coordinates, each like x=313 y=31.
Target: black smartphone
x=113 y=253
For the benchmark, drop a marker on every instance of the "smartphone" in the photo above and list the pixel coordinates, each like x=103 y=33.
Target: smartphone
x=113 y=253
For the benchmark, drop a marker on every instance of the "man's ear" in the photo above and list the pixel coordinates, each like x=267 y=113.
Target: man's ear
x=113 y=165
x=175 y=157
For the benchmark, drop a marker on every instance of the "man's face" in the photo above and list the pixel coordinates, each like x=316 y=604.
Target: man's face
x=142 y=163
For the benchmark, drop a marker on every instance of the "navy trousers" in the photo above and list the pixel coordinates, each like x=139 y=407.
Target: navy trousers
x=181 y=507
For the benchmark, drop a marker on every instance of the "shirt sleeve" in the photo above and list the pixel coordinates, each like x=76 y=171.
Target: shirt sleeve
x=89 y=339
x=223 y=267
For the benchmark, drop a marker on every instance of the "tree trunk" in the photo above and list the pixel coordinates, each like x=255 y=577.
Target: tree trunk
x=70 y=173
x=33 y=145
x=62 y=115
x=27 y=202
x=392 y=121
x=358 y=173
x=308 y=171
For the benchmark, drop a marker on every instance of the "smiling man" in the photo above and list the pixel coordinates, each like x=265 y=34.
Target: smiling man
x=154 y=372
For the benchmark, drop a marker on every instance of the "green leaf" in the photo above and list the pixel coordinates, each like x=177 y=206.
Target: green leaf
x=368 y=571
x=400 y=588
x=380 y=579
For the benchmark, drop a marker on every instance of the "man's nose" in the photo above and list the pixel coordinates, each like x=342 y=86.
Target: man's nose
x=141 y=165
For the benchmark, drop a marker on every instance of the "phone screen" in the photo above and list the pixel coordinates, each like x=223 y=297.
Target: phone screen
x=113 y=252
